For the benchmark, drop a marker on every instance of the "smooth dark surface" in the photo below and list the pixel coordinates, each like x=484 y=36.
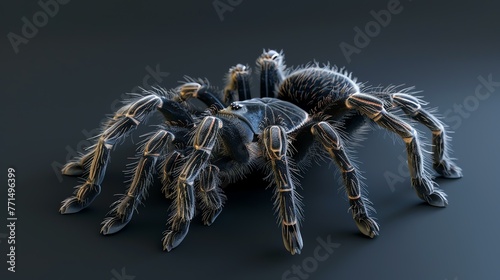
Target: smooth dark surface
x=69 y=75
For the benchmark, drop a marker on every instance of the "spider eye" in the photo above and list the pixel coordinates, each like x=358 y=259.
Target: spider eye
x=235 y=106
x=275 y=56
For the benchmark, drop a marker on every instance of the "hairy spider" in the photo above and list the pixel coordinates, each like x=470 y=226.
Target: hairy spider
x=303 y=113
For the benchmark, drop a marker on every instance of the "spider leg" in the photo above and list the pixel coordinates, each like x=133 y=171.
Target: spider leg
x=373 y=107
x=184 y=205
x=442 y=162
x=123 y=209
x=172 y=110
x=210 y=194
x=76 y=167
x=170 y=164
x=331 y=141
x=271 y=66
x=275 y=149
x=115 y=130
x=238 y=84
x=202 y=93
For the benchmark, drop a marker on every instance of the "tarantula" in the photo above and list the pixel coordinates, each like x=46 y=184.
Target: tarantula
x=307 y=112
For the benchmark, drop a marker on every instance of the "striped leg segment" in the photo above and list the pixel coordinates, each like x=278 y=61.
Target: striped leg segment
x=123 y=209
x=238 y=84
x=326 y=135
x=271 y=66
x=442 y=162
x=170 y=165
x=184 y=204
x=275 y=148
x=125 y=120
x=202 y=93
x=77 y=166
x=420 y=179
x=210 y=195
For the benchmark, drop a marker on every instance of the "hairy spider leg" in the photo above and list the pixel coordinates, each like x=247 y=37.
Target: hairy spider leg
x=210 y=195
x=200 y=92
x=442 y=162
x=237 y=84
x=271 y=66
x=170 y=164
x=275 y=142
x=127 y=118
x=183 y=207
x=171 y=111
x=333 y=144
x=124 y=121
x=207 y=96
x=76 y=167
x=161 y=145
x=123 y=209
x=373 y=108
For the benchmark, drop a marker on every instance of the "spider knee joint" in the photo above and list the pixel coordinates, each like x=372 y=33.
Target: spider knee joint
x=275 y=141
x=408 y=102
x=157 y=142
x=355 y=197
x=106 y=141
x=437 y=132
x=410 y=136
x=285 y=223
x=438 y=129
x=207 y=133
x=328 y=137
x=189 y=90
x=365 y=103
x=134 y=120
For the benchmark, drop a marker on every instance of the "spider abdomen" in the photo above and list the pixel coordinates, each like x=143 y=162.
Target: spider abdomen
x=310 y=87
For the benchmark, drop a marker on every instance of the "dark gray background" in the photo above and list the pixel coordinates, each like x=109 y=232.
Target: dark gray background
x=66 y=77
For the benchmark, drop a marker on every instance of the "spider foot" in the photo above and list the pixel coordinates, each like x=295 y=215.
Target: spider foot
x=239 y=69
x=70 y=205
x=209 y=216
x=428 y=192
x=119 y=217
x=72 y=168
x=174 y=236
x=448 y=170
x=112 y=225
x=437 y=198
x=367 y=226
x=85 y=194
x=292 y=239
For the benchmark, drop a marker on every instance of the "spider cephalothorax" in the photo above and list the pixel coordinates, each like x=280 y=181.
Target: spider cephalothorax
x=304 y=113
